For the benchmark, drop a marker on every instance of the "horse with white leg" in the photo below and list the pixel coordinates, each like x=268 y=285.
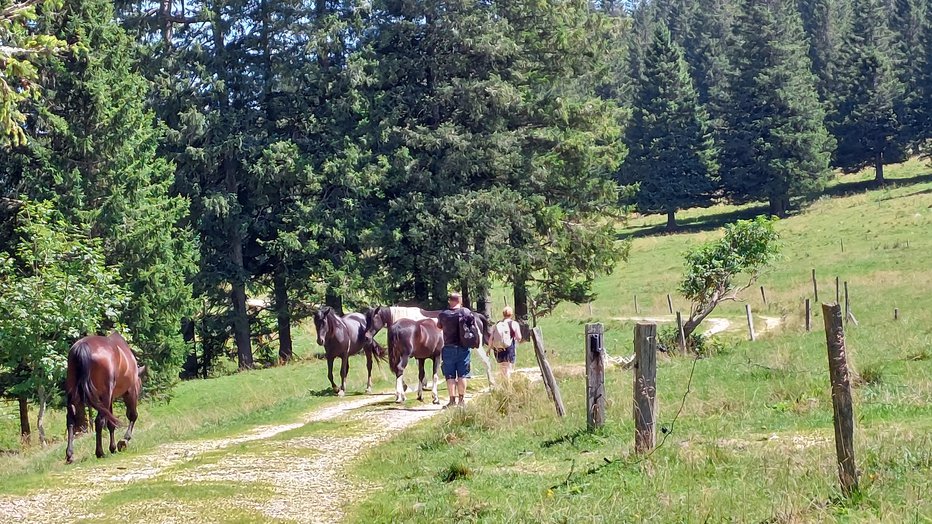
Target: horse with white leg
x=419 y=339
x=386 y=316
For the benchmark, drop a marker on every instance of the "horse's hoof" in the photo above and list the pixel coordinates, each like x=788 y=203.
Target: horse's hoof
x=420 y=399
x=69 y=460
x=121 y=445
x=341 y=393
x=436 y=401
x=113 y=450
x=100 y=454
x=368 y=391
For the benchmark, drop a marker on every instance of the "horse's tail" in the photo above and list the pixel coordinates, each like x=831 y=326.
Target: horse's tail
x=79 y=359
x=378 y=351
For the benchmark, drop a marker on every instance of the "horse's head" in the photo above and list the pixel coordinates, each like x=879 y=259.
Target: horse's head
x=485 y=327
x=376 y=320
x=321 y=323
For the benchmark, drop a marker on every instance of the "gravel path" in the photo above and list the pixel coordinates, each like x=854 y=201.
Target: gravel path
x=306 y=474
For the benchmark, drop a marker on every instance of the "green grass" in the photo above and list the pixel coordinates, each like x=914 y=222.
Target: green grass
x=754 y=440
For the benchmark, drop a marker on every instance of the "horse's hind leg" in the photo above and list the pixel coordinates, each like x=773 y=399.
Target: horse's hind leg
x=420 y=379
x=131 y=414
x=330 y=372
x=344 y=370
x=111 y=427
x=433 y=388
x=99 y=429
x=73 y=420
x=369 y=370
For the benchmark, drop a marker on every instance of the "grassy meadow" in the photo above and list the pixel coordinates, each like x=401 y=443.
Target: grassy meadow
x=753 y=440
x=747 y=431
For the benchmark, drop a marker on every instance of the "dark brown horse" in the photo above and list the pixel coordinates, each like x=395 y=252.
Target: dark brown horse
x=101 y=370
x=386 y=316
x=419 y=339
x=343 y=337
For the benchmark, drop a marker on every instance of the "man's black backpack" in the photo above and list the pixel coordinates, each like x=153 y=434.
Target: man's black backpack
x=469 y=331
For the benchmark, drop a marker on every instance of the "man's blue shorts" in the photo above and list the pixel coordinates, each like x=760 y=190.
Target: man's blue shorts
x=454 y=362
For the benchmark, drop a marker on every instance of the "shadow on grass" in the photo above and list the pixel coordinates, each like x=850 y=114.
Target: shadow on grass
x=715 y=221
x=696 y=224
x=863 y=186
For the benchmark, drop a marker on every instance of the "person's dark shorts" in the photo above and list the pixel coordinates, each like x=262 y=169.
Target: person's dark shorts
x=454 y=362
x=507 y=355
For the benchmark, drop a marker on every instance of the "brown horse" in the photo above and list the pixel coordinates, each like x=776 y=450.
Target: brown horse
x=101 y=370
x=420 y=339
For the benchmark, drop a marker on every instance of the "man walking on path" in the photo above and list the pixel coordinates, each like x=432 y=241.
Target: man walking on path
x=455 y=357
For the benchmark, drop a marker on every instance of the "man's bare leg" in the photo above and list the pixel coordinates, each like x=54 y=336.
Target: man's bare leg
x=461 y=389
x=451 y=389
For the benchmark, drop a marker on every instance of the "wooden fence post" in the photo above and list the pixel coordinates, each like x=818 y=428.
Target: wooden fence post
x=670 y=303
x=747 y=310
x=550 y=384
x=849 y=314
x=595 y=377
x=645 y=387
x=841 y=397
x=896 y=313
x=637 y=310
x=680 y=336
x=837 y=292
x=815 y=286
x=808 y=316
x=763 y=296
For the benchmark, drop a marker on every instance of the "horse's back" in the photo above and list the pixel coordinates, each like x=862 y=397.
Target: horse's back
x=110 y=361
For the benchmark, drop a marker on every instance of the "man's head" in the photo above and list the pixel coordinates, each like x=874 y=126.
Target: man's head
x=455 y=300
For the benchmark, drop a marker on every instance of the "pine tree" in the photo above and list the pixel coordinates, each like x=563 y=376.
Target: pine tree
x=868 y=112
x=825 y=22
x=774 y=142
x=671 y=153
x=922 y=101
x=94 y=154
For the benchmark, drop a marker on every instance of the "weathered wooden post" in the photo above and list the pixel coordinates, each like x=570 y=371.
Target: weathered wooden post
x=842 y=245
x=670 y=303
x=841 y=398
x=645 y=386
x=849 y=314
x=896 y=313
x=680 y=336
x=747 y=310
x=837 y=292
x=815 y=286
x=550 y=383
x=808 y=316
x=763 y=296
x=637 y=310
x=595 y=377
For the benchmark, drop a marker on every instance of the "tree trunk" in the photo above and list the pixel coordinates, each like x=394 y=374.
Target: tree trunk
x=521 y=309
x=671 y=219
x=334 y=300
x=482 y=300
x=878 y=168
x=467 y=297
x=440 y=291
x=283 y=311
x=40 y=417
x=24 y=431
x=421 y=292
x=778 y=206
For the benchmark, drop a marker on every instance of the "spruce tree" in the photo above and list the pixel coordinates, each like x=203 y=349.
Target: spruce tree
x=94 y=154
x=868 y=112
x=774 y=142
x=671 y=153
x=825 y=22
x=922 y=101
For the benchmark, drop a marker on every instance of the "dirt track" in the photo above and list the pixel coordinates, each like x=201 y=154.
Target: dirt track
x=306 y=474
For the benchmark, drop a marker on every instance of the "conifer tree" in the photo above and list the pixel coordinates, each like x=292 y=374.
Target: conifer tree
x=774 y=142
x=868 y=111
x=93 y=153
x=825 y=22
x=671 y=153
